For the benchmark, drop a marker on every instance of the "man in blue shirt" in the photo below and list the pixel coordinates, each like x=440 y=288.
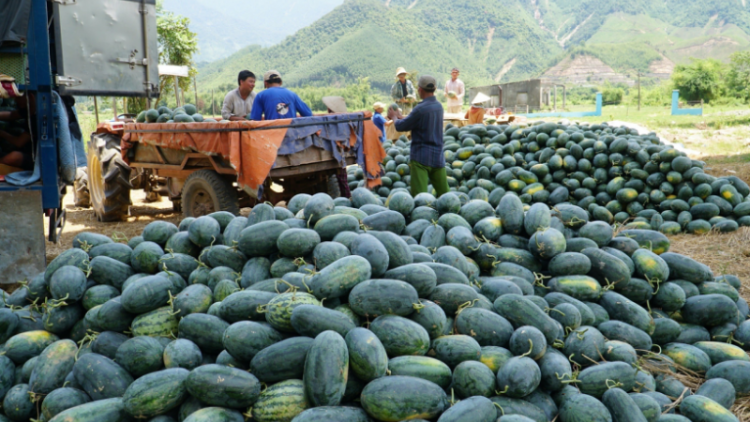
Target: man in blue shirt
x=426 y=159
x=277 y=102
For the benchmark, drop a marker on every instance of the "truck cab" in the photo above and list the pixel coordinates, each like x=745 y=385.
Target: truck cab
x=55 y=49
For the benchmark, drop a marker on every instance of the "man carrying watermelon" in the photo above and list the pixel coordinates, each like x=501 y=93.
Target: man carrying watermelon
x=402 y=91
x=455 y=90
x=426 y=160
x=238 y=103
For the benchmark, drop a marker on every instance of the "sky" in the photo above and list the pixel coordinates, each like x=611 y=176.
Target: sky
x=225 y=26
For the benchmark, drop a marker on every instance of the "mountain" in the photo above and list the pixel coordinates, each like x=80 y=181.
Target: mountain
x=496 y=41
x=225 y=26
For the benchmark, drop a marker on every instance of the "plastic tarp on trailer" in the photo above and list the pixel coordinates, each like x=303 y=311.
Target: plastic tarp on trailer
x=14 y=21
x=252 y=147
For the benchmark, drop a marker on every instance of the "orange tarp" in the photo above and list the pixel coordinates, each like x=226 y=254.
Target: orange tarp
x=251 y=152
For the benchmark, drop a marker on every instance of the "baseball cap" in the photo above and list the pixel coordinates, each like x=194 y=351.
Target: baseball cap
x=378 y=105
x=427 y=82
x=271 y=74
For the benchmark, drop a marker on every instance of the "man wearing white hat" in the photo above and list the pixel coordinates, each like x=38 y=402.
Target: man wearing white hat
x=402 y=91
x=426 y=159
x=476 y=112
x=454 y=91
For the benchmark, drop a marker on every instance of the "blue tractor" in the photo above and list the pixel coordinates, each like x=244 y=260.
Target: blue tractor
x=54 y=51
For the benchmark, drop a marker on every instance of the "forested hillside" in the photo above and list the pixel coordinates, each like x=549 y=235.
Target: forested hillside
x=491 y=40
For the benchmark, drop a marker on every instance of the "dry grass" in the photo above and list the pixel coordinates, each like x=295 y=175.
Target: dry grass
x=82 y=219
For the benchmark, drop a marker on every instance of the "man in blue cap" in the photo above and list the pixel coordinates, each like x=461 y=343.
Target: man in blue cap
x=426 y=160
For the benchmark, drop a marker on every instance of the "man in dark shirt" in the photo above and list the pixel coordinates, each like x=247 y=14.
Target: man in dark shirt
x=427 y=162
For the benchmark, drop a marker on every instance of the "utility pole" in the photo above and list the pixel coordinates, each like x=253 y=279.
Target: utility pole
x=96 y=111
x=639 y=91
x=195 y=88
x=176 y=91
x=213 y=105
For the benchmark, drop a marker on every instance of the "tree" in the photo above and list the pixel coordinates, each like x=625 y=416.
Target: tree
x=177 y=46
x=738 y=77
x=700 y=80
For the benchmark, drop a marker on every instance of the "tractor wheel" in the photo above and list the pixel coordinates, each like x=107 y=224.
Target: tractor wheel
x=108 y=178
x=81 y=188
x=206 y=192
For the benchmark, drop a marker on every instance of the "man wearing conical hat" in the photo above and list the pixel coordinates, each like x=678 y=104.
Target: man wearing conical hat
x=403 y=92
x=476 y=112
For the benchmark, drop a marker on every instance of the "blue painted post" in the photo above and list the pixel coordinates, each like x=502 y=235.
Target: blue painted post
x=675 y=102
x=572 y=114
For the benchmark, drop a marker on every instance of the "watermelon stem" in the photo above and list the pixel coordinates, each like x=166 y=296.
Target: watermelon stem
x=531 y=348
x=56 y=303
x=86 y=246
x=500 y=393
x=89 y=337
x=262 y=309
x=539 y=280
x=418 y=307
x=502 y=411
x=589 y=359
x=558 y=344
x=119 y=237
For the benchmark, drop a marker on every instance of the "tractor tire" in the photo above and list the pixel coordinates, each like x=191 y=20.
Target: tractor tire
x=205 y=191
x=108 y=178
x=81 y=188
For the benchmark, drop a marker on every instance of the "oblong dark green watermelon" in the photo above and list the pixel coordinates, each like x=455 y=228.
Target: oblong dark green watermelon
x=332 y=414
x=220 y=385
x=140 y=355
x=383 y=297
x=311 y=320
x=204 y=330
x=594 y=378
x=326 y=369
x=261 y=239
x=340 y=277
x=52 y=366
x=62 y=399
x=106 y=410
x=245 y=339
x=156 y=393
x=367 y=356
x=400 y=336
x=417 y=398
x=215 y=414
x=281 y=361
x=100 y=377
x=486 y=327
x=700 y=408
x=145 y=258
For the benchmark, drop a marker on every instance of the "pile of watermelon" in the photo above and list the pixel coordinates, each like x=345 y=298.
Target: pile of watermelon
x=350 y=310
x=616 y=175
x=185 y=114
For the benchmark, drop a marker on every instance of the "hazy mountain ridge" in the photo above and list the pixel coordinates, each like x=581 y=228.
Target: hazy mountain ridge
x=491 y=41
